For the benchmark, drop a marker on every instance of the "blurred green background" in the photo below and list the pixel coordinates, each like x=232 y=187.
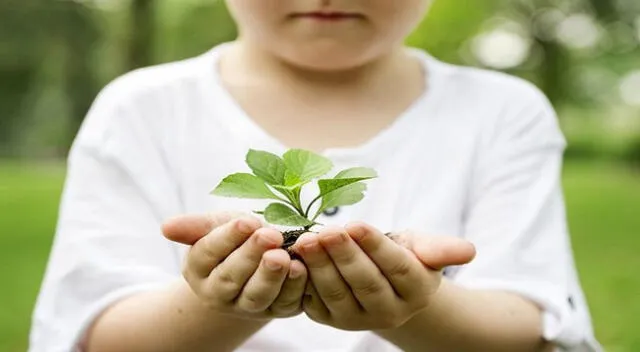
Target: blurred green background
x=585 y=54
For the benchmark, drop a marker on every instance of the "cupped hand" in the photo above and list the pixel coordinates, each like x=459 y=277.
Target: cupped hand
x=361 y=279
x=236 y=266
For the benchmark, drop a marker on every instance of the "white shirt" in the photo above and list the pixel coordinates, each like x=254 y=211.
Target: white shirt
x=478 y=156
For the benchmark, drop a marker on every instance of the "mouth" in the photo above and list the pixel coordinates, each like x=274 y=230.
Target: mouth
x=333 y=16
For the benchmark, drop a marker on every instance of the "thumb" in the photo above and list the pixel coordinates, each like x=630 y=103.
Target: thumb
x=438 y=252
x=188 y=229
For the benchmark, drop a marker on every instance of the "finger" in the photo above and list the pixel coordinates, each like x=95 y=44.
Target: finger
x=227 y=279
x=265 y=284
x=188 y=229
x=407 y=276
x=367 y=283
x=212 y=249
x=438 y=252
x=313 y=305
x=400 y=238
x=326 y=278
x=289 y=301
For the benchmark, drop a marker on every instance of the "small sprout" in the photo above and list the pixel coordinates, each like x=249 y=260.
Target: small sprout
x=281 y=180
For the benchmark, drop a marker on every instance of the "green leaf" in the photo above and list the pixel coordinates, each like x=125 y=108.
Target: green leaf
x=304 y=165
x=345 y=178
x=288 y=192
x=357 y=172
x=280 y=214
x=267 y=166
x=243 y=185
x=330 y=185
x=347 y=195
x=291 y=180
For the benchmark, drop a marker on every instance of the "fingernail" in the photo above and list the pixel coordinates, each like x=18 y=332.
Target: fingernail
x=307 y=243
x=334 y=240
x=264 y=241
x=294 y=274
x=357 y=233
x=273 y=266
x=245 y=226
x=310 y=247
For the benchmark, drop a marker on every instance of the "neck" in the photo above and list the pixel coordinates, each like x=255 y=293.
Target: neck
x=262 y=65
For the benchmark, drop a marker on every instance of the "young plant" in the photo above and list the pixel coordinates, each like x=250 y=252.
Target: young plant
x=281 y=179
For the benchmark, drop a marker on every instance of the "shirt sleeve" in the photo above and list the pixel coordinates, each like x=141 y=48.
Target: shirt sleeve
x=516 y=219
x=108 y=243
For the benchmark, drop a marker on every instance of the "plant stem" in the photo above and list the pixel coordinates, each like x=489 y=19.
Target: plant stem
x=299 y=210
x=285 y=201
x=309 y=227
x=291 y=200
x=306 y=213
x=296 y=198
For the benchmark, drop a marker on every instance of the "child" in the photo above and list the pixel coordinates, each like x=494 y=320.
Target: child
x=469 y=155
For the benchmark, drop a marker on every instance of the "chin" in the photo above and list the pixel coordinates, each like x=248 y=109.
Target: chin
x=321 y=64
x=327 y=58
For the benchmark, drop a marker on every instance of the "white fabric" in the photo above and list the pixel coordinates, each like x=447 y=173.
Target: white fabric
x=478 y=156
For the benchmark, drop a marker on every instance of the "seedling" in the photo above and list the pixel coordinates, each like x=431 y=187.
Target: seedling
x=281 y=179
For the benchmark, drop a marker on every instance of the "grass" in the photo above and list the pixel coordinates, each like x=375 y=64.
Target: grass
x=29 y=198
x=603 y=203
x=603 y=207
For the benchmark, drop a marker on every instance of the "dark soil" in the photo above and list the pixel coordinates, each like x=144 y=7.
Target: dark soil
x=290 y=237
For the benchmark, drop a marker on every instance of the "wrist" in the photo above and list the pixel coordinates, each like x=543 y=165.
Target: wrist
x=463 y=319
x=430 y=320
x=440 y=299
x=168 y=319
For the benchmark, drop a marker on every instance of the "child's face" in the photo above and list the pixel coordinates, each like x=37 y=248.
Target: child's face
x=327 y=34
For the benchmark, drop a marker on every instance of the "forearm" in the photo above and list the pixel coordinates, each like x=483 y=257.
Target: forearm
x=459 y=319
x=169 y=320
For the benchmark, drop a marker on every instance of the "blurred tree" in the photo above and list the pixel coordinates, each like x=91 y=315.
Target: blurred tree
x=552 y=65
x=29 y=32
x=556 y=74
x=187 y=31
x=552 y=72
x=450 y=24
x=19 y=58
x=79 y=33
x=141 y=30
x=605 y=10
